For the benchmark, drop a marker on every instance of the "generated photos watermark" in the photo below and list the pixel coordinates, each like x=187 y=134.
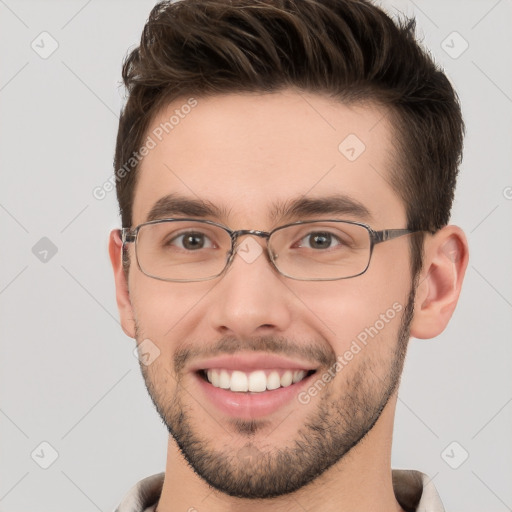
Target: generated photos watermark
x=357 y=345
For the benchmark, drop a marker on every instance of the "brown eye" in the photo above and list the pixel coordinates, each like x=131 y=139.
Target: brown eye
x=319 y=240
x=191 y=241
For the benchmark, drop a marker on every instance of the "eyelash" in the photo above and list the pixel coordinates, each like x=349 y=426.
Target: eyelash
x=309 y=234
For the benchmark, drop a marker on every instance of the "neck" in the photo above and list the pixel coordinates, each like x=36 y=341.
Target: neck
x=360 y=481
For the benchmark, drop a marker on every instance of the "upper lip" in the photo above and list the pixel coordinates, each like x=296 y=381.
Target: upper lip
x=251 y=361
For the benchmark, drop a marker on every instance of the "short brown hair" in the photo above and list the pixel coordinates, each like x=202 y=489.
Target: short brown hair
x=350 y=50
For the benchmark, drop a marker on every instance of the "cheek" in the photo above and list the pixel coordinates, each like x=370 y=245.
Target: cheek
x=364 y=320
x=367 y=307
x=165 y=310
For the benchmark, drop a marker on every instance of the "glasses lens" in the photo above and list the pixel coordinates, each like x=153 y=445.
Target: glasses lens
x=321 y=250
x=182 y=250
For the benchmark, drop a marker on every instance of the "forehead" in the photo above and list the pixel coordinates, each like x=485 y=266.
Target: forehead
x=251 y=157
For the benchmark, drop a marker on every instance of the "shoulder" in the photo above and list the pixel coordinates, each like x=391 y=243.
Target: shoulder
x=143 y=495
x=415 y=490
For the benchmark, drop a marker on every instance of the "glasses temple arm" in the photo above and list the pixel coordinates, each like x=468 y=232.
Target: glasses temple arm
x=389 y=234
x=127 y=236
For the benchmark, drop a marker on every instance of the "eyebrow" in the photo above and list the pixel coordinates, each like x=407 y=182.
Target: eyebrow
x=334 y=204
x=174 y=205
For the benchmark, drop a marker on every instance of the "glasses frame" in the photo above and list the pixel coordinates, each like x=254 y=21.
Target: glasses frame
x=129 y=235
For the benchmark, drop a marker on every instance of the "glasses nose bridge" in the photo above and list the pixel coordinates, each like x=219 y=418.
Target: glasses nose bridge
x=235 y=235
x=254 y=232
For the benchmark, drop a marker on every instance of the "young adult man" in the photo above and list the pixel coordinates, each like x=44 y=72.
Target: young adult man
x=285 y=172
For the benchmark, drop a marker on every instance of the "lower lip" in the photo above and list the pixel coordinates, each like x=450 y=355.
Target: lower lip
x=251 y=405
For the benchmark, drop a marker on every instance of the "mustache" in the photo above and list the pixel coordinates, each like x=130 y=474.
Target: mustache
x=315 y=353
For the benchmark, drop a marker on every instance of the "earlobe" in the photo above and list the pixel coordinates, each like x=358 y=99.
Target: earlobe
x=444 y=265
x=124 y=305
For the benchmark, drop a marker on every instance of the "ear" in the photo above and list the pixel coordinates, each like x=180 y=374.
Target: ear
x=115 y=249
x=444 y=265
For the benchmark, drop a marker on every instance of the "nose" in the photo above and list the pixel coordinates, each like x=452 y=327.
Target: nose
x=251 y=298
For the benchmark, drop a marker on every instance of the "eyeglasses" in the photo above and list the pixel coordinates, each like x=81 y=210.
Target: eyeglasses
x=186 y=250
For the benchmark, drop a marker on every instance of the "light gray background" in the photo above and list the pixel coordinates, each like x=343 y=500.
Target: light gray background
x=68 y=375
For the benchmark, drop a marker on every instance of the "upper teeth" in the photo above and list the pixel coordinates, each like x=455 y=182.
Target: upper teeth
x=256 y=381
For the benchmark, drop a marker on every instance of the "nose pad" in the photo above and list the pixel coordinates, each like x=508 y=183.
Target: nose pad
x=249 y=249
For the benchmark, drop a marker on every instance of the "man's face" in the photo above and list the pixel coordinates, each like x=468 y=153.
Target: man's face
x=244 y=154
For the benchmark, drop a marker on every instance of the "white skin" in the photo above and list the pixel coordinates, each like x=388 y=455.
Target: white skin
x=243 y=153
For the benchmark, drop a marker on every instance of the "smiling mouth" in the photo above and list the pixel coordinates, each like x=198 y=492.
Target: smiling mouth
x=256 y=381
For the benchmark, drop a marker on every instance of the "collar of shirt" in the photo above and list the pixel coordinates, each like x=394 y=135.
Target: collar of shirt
x=413 y=490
